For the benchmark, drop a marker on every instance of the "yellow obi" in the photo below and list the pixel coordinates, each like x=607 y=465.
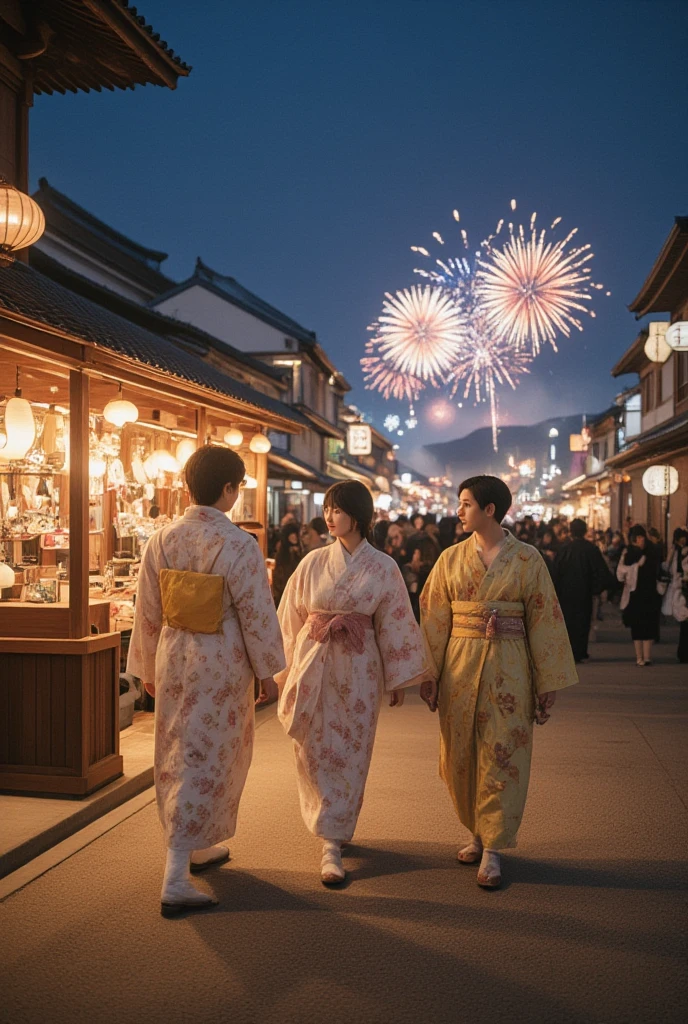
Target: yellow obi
x=488 y=620
x=192 y=600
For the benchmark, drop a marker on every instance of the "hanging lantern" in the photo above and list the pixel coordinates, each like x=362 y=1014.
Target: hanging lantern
x=119 y=411
x=660 y=481
x=250 y=483
x=234 y=438
x=260 y=444
x=657 y=348
x=6 y=576
x=96 y=467
x=21 y=221
x=184 y=451
x=677 y=336
x=166 y=462
x=20 y=427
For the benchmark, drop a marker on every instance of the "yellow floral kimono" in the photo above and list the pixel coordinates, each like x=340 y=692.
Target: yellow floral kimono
x=496 y=638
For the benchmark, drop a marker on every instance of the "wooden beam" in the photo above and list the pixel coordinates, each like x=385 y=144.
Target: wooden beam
x=78 y=504
x=201 y=426
x=137 y=40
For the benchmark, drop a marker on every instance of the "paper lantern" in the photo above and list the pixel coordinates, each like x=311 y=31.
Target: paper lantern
x=260 y=444
x=657 y=349
x=20 y=427
x=234 y=438
x=119 y=411
x=6 y=575
x=21 y=221
x=166 y=462
x=96 y=467
x=184 y=451
x=677 y=336
x=660 y=481
x=250 y=483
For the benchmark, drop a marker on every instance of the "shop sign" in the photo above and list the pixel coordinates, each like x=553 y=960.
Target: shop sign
x=359 y=439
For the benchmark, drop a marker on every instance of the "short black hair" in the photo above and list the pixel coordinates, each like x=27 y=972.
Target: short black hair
x=578 y=528
x=209 y=469
x=637 y=531
x=319 y=525
x=489 y=490
x=353 y=498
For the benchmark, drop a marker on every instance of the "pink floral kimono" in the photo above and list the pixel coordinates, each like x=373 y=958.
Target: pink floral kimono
x=204 y=719
x=349 y=635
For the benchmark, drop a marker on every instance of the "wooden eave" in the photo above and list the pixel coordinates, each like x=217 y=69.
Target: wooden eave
x=634 y=359
x=666 y=285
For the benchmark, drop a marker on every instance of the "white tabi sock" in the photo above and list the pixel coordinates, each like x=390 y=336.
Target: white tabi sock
x=210 y=855
x=491 y=864
x=177 y=887
x=331 y=868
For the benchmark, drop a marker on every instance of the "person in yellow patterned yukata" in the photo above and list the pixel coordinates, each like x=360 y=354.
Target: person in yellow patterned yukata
x=496 y=636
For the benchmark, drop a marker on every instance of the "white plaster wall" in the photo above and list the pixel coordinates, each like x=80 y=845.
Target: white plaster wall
x=220 y=318
x=78 y=261
x=661 y=414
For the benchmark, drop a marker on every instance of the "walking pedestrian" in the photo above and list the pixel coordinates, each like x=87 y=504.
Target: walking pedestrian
x=674 y=603
x=640 y=603
x=579 y=573
x=421 y=555
x=288 y=556
x=313 y=535
x=349 y=635
x=205 y=625
x=496 y=636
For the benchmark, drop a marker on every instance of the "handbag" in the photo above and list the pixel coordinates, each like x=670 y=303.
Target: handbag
x=192 y=600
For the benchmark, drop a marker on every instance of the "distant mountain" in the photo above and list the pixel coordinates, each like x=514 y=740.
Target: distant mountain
x=467 y=456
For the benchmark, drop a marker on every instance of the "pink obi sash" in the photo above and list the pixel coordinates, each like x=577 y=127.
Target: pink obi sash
x=345 y=628
x=497 y=620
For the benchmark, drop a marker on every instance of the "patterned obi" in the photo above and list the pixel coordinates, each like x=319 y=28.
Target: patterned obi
x=345 y=628
x=488 y=620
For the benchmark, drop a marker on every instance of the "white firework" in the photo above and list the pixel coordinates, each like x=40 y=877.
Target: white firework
x=419 y=333
x=392 y=423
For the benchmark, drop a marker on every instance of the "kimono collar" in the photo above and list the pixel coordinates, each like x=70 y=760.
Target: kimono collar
x=343 y=560
x=206 y=514
x=504 y=547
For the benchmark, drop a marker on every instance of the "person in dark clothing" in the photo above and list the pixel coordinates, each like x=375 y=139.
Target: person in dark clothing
x=676 y=597
x=447 y=526
x=289 y=554
x=421 y=555
x=579 y=572
x=640 y=602
x=380 y=531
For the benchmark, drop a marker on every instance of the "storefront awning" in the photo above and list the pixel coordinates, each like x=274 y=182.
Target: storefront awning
x=320 y=424
x=342 y=472
x=283 y=464
x=665 y=441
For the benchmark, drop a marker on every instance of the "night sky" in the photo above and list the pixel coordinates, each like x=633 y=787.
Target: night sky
x=315 y=142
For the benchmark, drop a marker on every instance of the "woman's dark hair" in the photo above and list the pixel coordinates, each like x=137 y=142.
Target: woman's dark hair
x=637 y=531
x=489 y=490
x=578 y=528
x=428 y=550
x=285 y=555
x=319 y=525
x=208 y=470
x=380 y=531
x=418 y=515
x=356 y=501
x=680 y=536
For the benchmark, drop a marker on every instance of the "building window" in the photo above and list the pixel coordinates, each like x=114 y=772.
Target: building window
x=648 y=393
x=279 y=440
x=658 y=386
x=681 y=376
x=633 y=410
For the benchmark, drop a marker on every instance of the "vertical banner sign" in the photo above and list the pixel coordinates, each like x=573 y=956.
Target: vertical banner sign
x=359 y=439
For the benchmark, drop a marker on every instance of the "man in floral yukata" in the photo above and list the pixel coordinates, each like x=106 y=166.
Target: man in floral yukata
x=205 y=626
x=496 y=637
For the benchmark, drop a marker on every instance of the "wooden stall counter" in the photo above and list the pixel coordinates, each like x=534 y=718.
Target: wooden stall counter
x=48 y=621
x=59 y=714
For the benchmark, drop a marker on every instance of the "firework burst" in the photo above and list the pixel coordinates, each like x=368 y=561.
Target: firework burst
x=380 y=375
x=532 y=289
x=419 y=333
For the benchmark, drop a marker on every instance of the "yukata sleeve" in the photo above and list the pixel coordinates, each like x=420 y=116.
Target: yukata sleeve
x=548 y=640
x=147 y=617
x=436 y=617
x=248 y=584
x=398 y=635
x=292 y=614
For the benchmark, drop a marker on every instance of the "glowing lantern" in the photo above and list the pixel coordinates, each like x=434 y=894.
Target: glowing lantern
x=160 y=461
x=660 y=481
x=657 y=349
x=119 y=411
x=184 y=451
x=260 y=444
x=96 y=467
x=6 y=576
x=20 y=427
x=21 y=221
x=677 y=336
x=250 y=483
x=234 y=438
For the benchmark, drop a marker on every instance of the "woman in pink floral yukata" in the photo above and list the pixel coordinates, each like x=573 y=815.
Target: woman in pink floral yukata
x=349 y=635
x=202 y=674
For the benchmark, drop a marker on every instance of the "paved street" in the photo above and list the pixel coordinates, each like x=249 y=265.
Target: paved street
x=588 y=927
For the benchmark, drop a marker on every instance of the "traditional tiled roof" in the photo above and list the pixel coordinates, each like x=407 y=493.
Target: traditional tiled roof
x=31 y=295
x=190 y=337
x=666 y=286
x=92 y=44
x=663 y=441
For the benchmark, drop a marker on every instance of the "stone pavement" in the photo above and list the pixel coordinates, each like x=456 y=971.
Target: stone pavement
x=588 y=927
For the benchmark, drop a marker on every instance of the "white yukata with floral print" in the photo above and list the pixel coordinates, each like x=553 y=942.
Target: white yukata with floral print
x=349 y=635
x=204 y=720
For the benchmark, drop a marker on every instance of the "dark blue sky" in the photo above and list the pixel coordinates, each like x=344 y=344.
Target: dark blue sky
x=316 y=140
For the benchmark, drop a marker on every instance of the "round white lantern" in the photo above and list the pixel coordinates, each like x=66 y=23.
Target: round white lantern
x=677 y=336
x=119 y=411
x=260 y=444
x=96 y=467
x=657 y=348
x=250 y=483
x=160 y=461
x=660 y=481
x=20 y=428
x=21 y=221
x=234 y=438
x=185 y=450
x=6 y=575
